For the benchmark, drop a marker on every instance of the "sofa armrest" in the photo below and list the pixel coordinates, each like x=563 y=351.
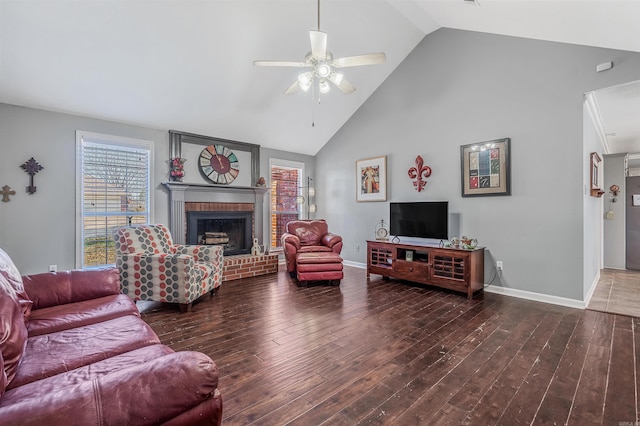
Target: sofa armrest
x=145 y=394
x=58 y=288
x=202 y=253
x=291 y=239
x=331 y=240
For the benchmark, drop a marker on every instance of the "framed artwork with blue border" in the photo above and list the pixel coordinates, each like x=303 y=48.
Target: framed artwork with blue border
x=486 y=168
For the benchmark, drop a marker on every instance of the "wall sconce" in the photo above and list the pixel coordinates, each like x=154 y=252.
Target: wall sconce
x=614 y=190
x=310 y=191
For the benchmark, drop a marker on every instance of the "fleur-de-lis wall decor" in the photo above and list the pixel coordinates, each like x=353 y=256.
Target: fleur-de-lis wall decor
x=420 y=173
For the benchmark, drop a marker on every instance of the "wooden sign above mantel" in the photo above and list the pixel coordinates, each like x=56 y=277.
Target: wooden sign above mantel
x=176 y=139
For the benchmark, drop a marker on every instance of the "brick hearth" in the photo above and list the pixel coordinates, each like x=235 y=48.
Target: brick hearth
x=247 y=265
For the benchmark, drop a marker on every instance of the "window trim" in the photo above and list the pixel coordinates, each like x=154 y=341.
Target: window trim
x=112 y=140
x=289 y=164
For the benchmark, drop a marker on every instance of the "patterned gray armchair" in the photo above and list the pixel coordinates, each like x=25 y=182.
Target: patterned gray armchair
x=153 y=268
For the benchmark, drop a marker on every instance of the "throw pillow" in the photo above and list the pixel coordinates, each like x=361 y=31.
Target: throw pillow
x=10 y=272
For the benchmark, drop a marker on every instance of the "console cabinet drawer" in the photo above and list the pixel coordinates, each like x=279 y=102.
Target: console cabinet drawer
x=412 y=271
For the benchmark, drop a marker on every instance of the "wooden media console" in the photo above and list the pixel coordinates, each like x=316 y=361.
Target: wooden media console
x=447 y=267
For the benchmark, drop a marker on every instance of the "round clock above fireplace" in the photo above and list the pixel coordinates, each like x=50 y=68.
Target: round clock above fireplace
x=219 y=164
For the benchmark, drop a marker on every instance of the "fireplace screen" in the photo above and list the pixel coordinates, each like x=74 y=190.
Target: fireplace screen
x=231 y=230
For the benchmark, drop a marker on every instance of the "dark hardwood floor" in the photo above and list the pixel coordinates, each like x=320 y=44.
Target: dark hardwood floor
x=385 y=352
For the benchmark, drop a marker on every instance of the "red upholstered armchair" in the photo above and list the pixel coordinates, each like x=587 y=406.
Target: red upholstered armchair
x=308 y=236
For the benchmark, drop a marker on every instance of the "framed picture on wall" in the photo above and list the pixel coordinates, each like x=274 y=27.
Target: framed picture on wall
x=486 y=168
x=371 y=179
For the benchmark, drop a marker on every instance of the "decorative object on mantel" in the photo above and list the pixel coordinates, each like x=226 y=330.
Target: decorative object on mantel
x=371 y=179
x=31 y=167
x=176 y=166
x=261 y=183
x=219 y=164
x=6 y=191
x=594 y=175
x=382 y=231
x=486 y=168
x=420 y=173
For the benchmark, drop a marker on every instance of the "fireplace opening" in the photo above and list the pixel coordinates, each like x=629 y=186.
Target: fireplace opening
x=231 y=230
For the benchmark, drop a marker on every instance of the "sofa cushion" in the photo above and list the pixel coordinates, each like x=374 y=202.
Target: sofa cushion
x=35 y=390
x=55 y=353
x=58 y=288
x=154 y=239
x=71 y=315
x=13 y=331
x=309 y=232
x=10 y=272
x=150 y=393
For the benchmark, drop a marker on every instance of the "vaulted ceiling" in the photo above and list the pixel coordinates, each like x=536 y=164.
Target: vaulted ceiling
x=187 y=64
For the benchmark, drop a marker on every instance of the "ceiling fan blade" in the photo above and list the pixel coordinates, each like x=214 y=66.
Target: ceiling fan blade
x=293 y=89
x=342 y=84
x=355 y=61
x=280 y=64
x=318 y=44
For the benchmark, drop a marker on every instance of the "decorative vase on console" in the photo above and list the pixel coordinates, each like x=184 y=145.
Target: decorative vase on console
x=176 y=169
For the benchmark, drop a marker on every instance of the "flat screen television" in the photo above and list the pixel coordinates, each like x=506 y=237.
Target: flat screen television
x=427 y=219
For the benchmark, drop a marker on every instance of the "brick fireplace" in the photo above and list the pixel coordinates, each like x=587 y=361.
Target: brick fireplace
x=186 y=197
x=222 y=203
x=227 y=224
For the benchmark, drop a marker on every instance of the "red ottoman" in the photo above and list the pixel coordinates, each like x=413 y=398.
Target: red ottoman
x=319 y=266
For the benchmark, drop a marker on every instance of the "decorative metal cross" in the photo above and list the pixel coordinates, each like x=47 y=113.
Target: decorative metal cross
x=31 y=167
x=6 y=191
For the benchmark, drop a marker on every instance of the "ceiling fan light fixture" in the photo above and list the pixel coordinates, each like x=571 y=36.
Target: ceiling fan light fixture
x=321 y=66
x=324 y=86
x=336 y=78
x=305 y=79
x=323 y=70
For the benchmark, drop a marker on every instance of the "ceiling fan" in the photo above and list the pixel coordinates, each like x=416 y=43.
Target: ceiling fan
x=322 y=67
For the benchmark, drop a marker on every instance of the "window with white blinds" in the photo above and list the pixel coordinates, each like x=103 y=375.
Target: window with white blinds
x=113 y=191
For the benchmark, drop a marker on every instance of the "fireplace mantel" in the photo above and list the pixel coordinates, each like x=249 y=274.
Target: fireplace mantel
x=182 y=192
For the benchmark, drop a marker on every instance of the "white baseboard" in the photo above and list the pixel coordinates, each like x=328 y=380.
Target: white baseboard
x=589 y=295
x=354 y=264
x=537 y=297
x=521 y=294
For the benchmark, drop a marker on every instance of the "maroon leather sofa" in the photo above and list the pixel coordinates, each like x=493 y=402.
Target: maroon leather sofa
x=308 y=236
x=76 y=352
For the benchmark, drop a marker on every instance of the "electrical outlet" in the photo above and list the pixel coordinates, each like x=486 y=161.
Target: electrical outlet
x=53 y=268
x=499 y=265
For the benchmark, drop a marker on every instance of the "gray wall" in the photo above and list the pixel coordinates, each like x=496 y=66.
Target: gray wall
x=592 y=208
x=460 y=87
x=614 y=166
x=40 y=229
